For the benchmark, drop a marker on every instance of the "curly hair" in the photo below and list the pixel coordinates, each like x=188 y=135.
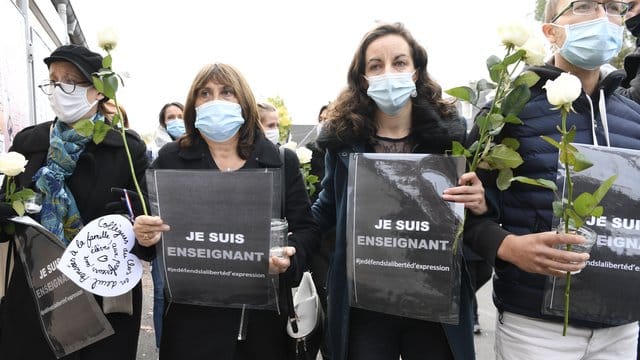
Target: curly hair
x=352 y=113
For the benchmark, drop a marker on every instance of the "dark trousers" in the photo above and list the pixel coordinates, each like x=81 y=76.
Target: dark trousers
x=378 y=336
x=480 y=272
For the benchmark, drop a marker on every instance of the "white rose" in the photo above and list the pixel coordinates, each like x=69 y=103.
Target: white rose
x=108 y=38
x=291 y=145
x=304 y=155
x=513 y=33
x=12 y=163
x=535 y=51
x=563 y=90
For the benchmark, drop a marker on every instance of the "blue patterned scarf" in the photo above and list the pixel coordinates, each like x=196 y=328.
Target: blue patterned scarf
x=59 y=212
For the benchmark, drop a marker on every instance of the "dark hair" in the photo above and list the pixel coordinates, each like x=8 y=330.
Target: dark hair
x=322 y=109
x=227 y=75
x=352 y=113
x=164 y=110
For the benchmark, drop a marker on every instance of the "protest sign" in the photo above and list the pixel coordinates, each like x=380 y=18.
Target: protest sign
x=217 y=251
x=99 y=257
x=607 y=289
x=70 y=317
x=400 y=234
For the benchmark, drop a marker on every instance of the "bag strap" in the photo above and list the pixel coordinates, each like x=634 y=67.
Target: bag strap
x=293 y=318
x=8 y=266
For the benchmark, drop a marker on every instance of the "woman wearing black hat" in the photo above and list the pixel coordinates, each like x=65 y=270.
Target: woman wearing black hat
x=75 y=176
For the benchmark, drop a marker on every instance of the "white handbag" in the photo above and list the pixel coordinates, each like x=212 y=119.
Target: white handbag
x=308 y=311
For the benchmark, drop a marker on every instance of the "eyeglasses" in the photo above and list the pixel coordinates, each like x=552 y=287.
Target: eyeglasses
x=584 y=7
x=48 y=86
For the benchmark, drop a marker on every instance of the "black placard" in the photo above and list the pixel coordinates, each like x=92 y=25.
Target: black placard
x=216 y=253
x=58 y=299
x=400 y=235
x=608 y=288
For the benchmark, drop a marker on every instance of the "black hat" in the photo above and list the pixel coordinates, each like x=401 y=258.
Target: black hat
x=84 y=59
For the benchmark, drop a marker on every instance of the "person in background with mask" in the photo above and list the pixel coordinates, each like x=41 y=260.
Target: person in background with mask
x=270 y=121
x=171 y=126
x=519 y=242
x=75 y=177
x=630 y=86
x=390 y=105
x=223 y=133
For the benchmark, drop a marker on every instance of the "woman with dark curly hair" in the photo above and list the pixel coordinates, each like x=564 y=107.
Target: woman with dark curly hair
x=390 y=105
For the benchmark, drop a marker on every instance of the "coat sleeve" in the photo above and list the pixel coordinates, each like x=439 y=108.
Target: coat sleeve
x=324 y=209
x=303 y=228
x=483 y=233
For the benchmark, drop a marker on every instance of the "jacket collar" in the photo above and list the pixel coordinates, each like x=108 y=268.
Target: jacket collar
x=263 y=151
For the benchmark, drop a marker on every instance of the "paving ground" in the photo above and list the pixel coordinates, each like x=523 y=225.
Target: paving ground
x=484 y=341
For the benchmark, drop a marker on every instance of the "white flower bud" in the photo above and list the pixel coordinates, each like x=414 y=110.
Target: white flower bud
x=535 y=51
x=304 y=155
x=108 y=38
x=291 y=145
x=563 y=90
x=12 y=163
x=513 y=33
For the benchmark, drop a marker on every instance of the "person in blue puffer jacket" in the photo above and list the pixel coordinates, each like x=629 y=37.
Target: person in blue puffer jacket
x=586 y=35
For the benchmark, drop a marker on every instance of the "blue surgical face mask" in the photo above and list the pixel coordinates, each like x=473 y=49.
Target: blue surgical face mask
x=175 y=128
x=219 y=120
x=391 y=91
x=591 y=44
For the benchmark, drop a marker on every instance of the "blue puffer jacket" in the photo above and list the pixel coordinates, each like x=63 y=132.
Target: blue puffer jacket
x=527 y=209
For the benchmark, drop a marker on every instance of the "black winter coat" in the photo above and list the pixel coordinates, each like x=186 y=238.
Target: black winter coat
x=98 y=169
x=199 y=332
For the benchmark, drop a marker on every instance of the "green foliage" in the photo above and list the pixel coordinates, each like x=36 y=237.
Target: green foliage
x=284 y=120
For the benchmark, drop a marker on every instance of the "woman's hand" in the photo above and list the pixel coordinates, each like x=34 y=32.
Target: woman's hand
x=149 y=229
x=470 y=192
x=280 y=264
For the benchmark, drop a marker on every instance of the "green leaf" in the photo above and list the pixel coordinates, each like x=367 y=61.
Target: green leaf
x=597 y=211
x=602 y=190
x=511 y=143
x=557 y=208
x=496 y=71
x=483 y=84
x=515 y=100
x=536 y=182
x=527 y=78
x=502 y=157
x=551 y=141
x=116 y=120
x=491 y=61
x=464 y=93
x=97 y=83
x=106 y=62
x=100 y=131
x=18 y=206
x=496 y=123
x=584 y=204
x=84 y=127
x=23 y=194
x=581 y=162
x=513 y=119
x=110 y=86
x=457 y=148
x=513 y=58
x=504 y=179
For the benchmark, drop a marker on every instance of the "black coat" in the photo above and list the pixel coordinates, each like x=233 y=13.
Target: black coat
x=199 y=332
x=98 y=169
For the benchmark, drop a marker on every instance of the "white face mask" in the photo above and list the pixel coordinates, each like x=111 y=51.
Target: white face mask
x=70 y=108
x=273 y=135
